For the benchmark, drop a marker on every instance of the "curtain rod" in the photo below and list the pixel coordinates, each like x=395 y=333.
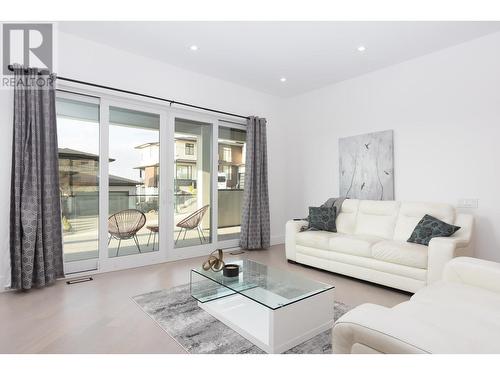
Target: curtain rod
x=11 y=68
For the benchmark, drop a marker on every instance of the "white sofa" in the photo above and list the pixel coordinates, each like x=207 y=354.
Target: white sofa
x=459 y=314
x=370 y=243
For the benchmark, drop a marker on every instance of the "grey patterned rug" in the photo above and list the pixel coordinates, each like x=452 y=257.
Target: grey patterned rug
x=198 y=332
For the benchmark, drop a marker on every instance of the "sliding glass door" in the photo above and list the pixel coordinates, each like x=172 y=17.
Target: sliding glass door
x=133 y=182
x=193 y=180
x=78 y=132
x=230 y=181
x=120 y=144
x=121 y=207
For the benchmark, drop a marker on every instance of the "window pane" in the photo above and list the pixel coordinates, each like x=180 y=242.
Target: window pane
x=231 y=181
x=78 y=138
x=193 y=171
x=134 y=160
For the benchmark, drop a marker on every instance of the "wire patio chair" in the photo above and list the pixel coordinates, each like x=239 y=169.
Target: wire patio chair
x=193 y=221
x=124 y=225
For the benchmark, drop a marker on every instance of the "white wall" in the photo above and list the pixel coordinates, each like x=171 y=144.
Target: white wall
x=445 y=112
x=84 y=60
x=444 y=109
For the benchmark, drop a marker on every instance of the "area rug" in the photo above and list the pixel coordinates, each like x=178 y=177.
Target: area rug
x=198 y=332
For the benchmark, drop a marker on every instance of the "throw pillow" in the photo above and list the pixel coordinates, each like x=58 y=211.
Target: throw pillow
x=322 y=218
x=430 y=227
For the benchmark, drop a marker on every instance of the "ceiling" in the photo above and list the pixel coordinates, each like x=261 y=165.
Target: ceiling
x=257 y=54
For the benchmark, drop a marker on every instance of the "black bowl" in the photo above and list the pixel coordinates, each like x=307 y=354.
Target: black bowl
x=231 y=270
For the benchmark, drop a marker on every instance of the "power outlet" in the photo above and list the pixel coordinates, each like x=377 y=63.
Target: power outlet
x=467 y=203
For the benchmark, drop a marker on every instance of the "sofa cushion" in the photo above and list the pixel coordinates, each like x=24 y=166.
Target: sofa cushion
x=322 y=218
x=346 y=218
x=430 y=227
x=359 y=245
x=377 y=218
x=362 y=267
x=463 y=318
x=442 y=293
x=315 y=238
x=407 y=254
x=411 y=213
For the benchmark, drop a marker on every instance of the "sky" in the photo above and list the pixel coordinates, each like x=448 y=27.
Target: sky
x=84 y=136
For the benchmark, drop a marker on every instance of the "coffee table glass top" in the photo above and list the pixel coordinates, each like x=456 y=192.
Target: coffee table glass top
x=271 y=287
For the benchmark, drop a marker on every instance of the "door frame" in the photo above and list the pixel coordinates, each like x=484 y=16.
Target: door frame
x=202 y=249
x=107 y=263
x=86 y=265
x=235 y=242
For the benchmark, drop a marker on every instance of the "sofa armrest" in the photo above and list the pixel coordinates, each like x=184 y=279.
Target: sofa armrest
x=475 y=272
x=381 y=329
x=292 y=228
x=443 y=249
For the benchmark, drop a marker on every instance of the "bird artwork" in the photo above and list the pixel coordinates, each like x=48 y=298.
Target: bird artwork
x=366 y=166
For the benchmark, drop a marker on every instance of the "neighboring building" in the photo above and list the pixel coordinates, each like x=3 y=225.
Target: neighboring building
x=79 y=184
x=149 y=174
x=231 y=164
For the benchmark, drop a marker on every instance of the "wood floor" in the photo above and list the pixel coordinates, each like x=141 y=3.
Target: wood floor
x=100 y=317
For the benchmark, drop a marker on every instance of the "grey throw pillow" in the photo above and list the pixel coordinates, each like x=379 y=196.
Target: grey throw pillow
x=430 y=227
x=323 y=218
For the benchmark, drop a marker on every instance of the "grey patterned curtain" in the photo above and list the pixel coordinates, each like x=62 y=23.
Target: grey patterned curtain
x=255 y=225
x=35 y=215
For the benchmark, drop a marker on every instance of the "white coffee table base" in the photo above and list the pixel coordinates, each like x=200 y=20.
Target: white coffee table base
x=274 y=331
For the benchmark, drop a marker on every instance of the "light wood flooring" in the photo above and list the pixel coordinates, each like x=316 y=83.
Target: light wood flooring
x=100 y=317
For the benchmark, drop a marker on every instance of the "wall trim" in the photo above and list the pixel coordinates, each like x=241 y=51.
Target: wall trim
x=277 y=240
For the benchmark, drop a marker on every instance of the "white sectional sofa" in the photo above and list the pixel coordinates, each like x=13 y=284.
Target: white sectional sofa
x=458 y=314
x=370 y=243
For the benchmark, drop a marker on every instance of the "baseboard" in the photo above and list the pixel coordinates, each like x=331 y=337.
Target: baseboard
x=3 y=284
x=277 y=240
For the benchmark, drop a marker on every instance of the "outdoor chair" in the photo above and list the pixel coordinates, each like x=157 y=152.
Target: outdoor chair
x=193 y=221
x=124 y=225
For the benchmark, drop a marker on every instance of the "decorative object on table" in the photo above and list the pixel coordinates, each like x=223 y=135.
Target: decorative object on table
x=191 y=222
x=366 y=166
x=214 y=262
x=231 y=270
x=198 y=332
x=153 y=229
x=430 y=227
x=322 y=218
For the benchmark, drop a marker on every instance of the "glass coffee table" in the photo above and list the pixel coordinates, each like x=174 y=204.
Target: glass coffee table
x=274 y=309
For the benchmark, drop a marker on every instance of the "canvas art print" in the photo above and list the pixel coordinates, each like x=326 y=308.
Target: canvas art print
x=367 y=166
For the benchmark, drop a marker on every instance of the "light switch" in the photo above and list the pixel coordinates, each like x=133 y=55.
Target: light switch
x=467 y=203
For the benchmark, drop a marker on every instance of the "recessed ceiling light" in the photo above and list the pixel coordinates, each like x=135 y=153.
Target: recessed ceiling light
x=283 y=79
x=193 y=48
x=361 y=48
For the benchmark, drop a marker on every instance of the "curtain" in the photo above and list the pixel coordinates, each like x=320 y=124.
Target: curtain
x=255 y=223
x=35 y=215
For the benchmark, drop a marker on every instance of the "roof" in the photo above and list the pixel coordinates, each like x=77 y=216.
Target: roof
x=70 y=153
x=144 y=145
x=147 y=166
x=122 y=181
x=86 y=179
